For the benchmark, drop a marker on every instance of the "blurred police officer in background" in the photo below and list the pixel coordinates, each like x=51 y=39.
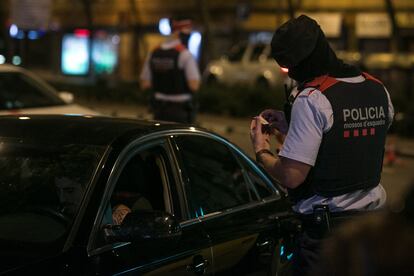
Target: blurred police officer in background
x=172 y=74
x=332 y=152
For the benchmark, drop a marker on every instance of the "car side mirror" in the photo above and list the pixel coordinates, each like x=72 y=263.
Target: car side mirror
x=67 y=97
x=154 y=227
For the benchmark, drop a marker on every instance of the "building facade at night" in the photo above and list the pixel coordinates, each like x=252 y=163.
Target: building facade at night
x=112 y=37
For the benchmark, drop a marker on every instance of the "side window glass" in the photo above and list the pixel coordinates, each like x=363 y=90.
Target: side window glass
x=19 y=91
x=142 y=185
x=236 y=53
x=264 y=188
x=257 y=52
x=267 y=55
x=215 y=180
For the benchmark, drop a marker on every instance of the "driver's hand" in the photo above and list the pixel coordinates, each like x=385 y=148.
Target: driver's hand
x=119 y=212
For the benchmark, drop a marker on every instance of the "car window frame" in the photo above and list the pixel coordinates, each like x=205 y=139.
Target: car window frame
x=84 y=204
x=271 y=182
x=128 y=152
x=233 y=148
x=171 y=152
x=231 y=154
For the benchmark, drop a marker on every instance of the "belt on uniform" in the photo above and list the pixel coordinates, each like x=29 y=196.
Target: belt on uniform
x=317 y=227
x=334 y=218
x=176 y=98
x=335 y=215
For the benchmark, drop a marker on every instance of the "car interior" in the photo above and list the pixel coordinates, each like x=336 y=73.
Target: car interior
x=142 y=183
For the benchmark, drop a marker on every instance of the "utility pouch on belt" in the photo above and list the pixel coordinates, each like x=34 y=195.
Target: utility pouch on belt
x=321 y=217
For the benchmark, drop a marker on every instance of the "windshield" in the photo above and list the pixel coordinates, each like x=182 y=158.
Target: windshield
x=236 y=52
x=257 y=52
x=18 y=91
x=41 y=189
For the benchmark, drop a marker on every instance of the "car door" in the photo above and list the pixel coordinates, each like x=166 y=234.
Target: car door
x=144 y=172
x=240 y=216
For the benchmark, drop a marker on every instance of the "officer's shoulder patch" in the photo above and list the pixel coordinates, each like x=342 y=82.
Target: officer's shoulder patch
x=369 y=77
x=321 y=83
x=180 y=47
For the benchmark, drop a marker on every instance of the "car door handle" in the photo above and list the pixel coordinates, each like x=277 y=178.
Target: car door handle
x=198 y=266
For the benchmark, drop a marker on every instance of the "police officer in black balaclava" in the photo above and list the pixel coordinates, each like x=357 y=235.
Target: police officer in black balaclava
x=301 y=46
x=332 y=149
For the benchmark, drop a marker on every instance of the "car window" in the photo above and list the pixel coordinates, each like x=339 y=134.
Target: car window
x=215 y=179
x=143 y=184
x=261 y=183
x=257 y=52
x=41 y=190
x=236 y=52
x=19 y=91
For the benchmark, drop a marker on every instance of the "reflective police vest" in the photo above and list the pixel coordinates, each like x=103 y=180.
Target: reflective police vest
x=351 y=153
x=167 y=77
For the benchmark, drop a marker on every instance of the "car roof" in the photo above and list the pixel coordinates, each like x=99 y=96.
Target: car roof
x=78 y=129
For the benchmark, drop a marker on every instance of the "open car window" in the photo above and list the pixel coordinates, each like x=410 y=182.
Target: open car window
x=143 y=184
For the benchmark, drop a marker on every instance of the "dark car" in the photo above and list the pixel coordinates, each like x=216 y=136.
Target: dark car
x=195 y=203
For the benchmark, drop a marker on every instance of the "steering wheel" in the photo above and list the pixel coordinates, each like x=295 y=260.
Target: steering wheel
x=51 y=213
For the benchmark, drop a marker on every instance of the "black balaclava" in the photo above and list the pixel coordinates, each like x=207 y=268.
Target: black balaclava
x=301 y=46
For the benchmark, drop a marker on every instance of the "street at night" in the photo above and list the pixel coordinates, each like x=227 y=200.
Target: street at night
x=207 y=137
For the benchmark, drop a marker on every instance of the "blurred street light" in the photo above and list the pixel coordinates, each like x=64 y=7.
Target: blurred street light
x=164 y=26
x=17 y=60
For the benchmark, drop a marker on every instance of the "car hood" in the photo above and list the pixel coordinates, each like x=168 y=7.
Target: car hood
x=58 y=109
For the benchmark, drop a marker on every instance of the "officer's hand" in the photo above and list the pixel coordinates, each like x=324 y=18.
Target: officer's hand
x=260 y=139
x=276 y=119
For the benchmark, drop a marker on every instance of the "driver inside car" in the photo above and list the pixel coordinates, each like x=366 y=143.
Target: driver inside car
x=130 y=189
x=125 y=203
x=70 y=194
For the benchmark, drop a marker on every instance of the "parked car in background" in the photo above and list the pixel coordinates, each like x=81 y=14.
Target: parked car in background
x=21 y=91
x=198 y=204
x=246 y=64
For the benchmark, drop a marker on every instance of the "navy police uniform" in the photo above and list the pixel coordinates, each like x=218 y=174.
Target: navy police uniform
x=168 y=68
x=351 y=153
x=172 y=100
x=339 y=120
